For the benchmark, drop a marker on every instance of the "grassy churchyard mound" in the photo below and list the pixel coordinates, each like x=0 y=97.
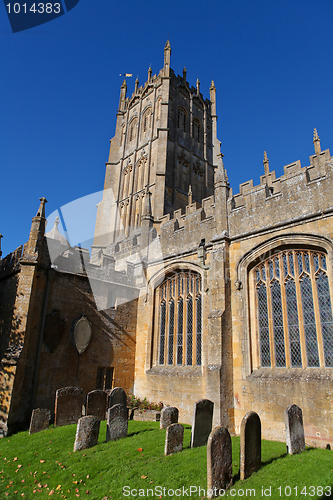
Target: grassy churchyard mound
x=43 y=465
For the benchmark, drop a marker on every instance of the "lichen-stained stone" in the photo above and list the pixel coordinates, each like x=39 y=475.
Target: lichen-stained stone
x=117 y=397
x=174 y=439
x=40 y=420
x=202 y=422
x=117 y=423
x=68 y=405
x=169 y=415
x=250 y=445
x=86 y=433
x=219 y=462
x=96 y=404
x=294 y=429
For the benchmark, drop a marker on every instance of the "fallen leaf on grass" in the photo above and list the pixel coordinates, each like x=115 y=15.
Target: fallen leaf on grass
x=42 y=461
x=14 y=459
x=58 y=487
x=144 y=477
x=140 y=449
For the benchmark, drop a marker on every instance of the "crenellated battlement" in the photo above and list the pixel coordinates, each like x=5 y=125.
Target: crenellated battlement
x=299 y=192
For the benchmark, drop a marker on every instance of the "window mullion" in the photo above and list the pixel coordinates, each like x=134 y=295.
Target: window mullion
x=300 y=313
x=175 y=326
x=317 y=313
x=270 y=316
x=156 y=344
x=194 y=328
x=284 y=314
x=184 y=322
x=254 y=320
x=167 y=319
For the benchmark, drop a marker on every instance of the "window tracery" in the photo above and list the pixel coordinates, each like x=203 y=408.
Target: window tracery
x=294 y=311
x=179 y=300
x=146 y=120
x=132 y=129
x=196 y=130
x=182 y=119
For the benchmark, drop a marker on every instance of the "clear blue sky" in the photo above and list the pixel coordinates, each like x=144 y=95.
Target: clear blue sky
x=271 y=61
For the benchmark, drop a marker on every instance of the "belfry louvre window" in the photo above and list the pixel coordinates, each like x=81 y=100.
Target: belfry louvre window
x=294 y=311
x=179 y=300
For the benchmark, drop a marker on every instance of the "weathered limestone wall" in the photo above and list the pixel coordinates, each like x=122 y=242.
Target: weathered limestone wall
x=297 y=194
x=112 y=342
x=182 y=386
x=269 y=391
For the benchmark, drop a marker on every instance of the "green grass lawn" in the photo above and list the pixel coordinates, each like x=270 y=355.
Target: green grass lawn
x=43 y=465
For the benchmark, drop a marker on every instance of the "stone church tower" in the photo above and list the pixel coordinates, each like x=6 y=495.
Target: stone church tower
x=165 y=142
x=192 y=290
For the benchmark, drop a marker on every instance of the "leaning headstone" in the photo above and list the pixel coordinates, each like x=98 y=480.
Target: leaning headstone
x=40 y=420
x=250 y=445
x=117 y=423
x=117 y=397
x=294 y=429
x=68 y=405
x=202 y=422
x=169 y=415
x=174 y=439
x=86 y=433
x=96 y=404
x=219 y=462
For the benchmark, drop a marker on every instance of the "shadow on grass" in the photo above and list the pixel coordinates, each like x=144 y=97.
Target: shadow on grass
x=330 y=493
x=236 y=477
x=283 y=455
x=139 y=432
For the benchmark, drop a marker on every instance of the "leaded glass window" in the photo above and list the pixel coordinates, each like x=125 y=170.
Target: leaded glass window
x=180 y=319
x=294 y=310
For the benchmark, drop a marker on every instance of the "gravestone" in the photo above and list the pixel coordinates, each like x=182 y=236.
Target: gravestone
x=40 y=420
x=219 y=462
x=86 y=433
x=174 y=439
x=202 y=422
x=68 y=405
x=96 y=404
x=294 y=430
x=117 y=423
x=117 y=397
x=250 y=445
x=169 y=415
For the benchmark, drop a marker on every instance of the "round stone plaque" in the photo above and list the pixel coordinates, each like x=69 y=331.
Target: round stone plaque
x=82 y=334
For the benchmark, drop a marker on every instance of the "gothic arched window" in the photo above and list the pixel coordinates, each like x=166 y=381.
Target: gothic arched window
x=146 y=120
x=182 y=119
x=196 y=130
x=132 y=129
x=179 y=300
x=293 y=310
x=158 y=108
